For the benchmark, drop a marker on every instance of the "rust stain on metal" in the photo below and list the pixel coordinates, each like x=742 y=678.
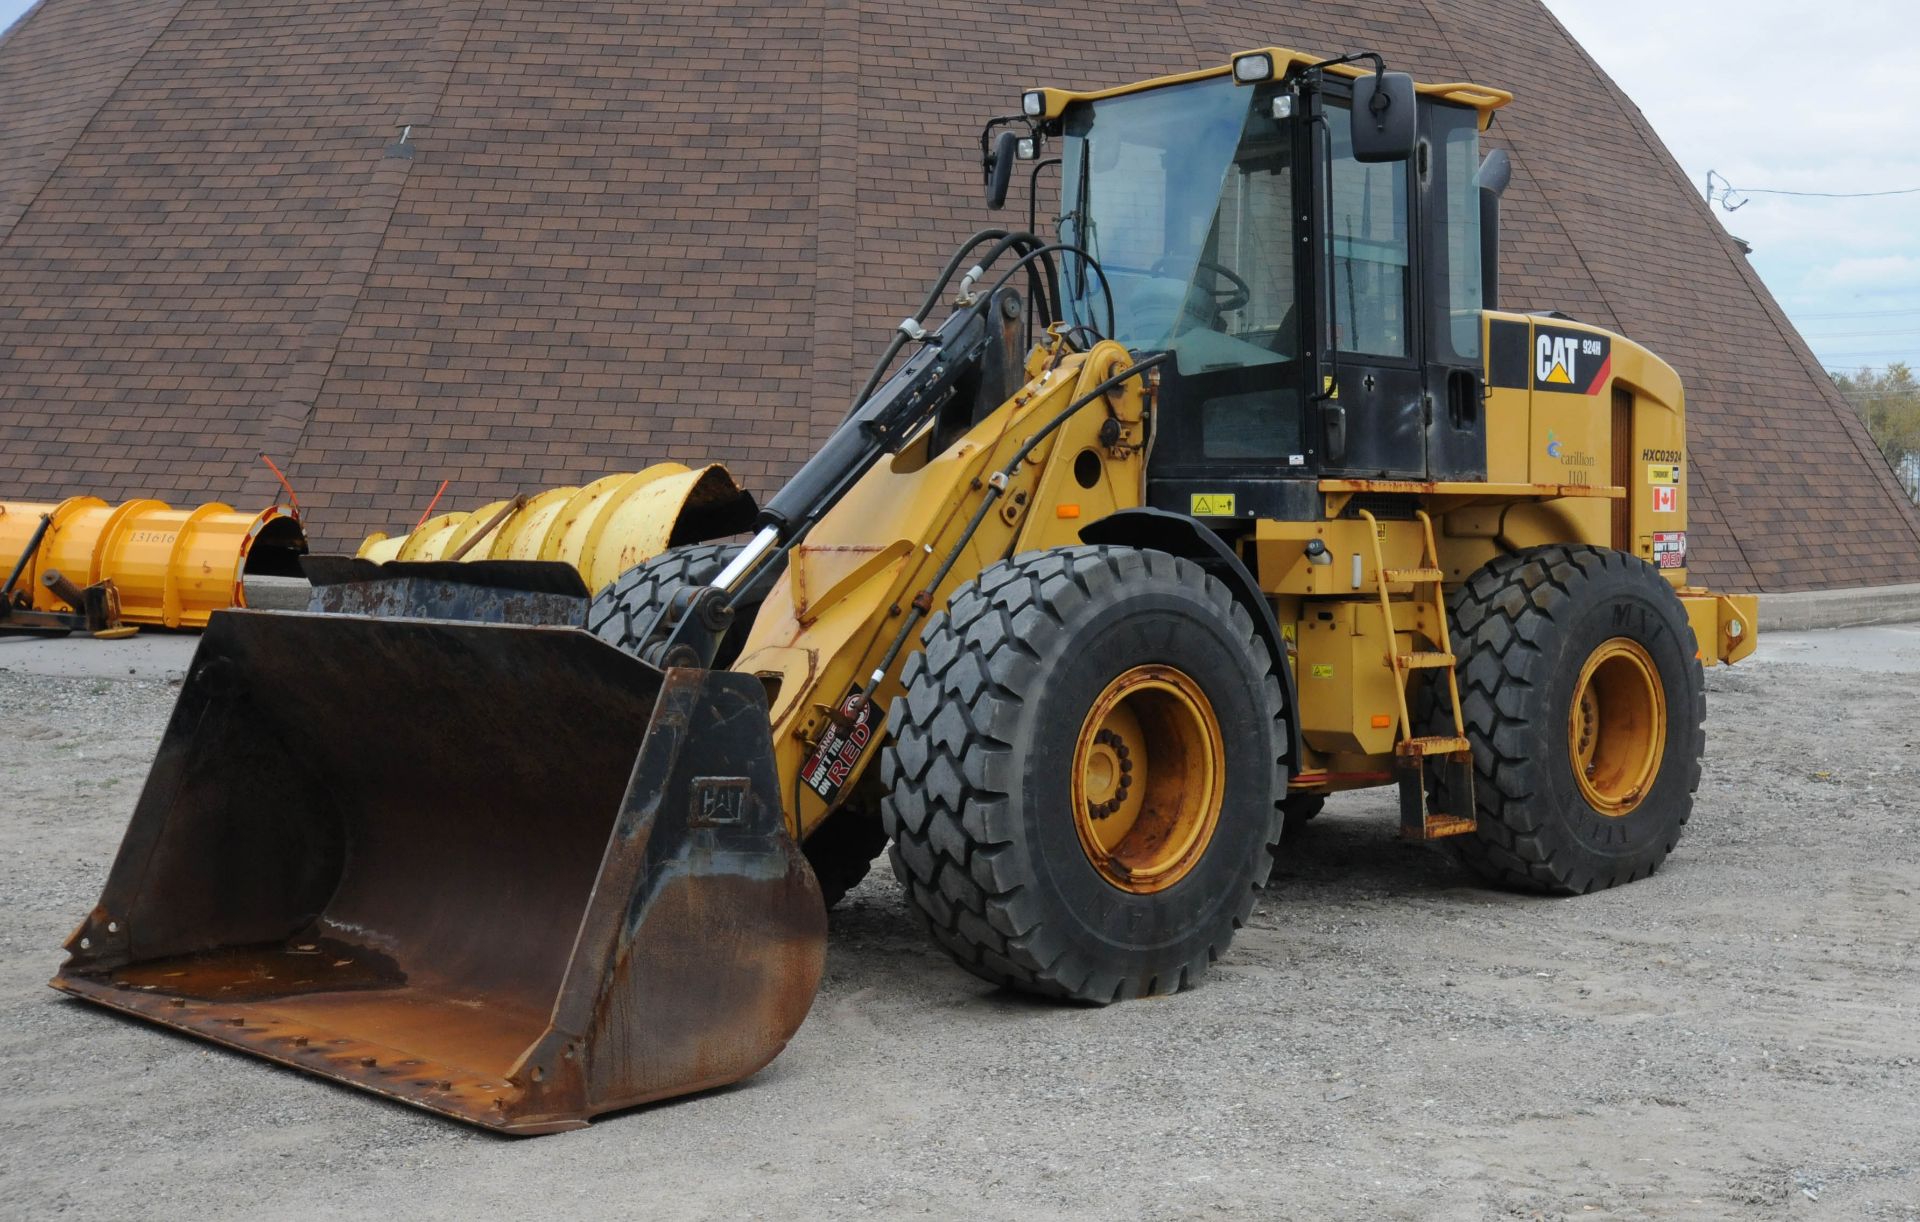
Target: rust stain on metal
x=1473 y=490
x=419 y=913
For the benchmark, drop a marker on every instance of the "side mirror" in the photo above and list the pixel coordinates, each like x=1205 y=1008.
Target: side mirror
x=1006 y=148
x=1385 y=124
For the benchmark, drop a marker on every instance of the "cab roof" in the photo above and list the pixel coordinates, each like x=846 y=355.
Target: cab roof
x=1482 y=98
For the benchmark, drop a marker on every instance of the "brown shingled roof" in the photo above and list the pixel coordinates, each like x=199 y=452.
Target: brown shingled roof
x=619 y=233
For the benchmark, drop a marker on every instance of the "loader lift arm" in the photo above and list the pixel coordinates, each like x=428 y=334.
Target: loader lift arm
x=962 y=371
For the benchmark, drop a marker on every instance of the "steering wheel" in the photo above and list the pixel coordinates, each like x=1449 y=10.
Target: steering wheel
x=1234 y=296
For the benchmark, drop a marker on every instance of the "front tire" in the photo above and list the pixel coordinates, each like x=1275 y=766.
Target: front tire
x=1083 y=776
x=1582 y=693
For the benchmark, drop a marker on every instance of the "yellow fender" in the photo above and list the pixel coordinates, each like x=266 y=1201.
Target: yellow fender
x=601 y=529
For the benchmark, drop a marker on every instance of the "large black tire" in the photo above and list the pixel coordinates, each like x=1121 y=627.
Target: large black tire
x=627 y=606
x=841 y=850
x=1524 y=628
x=977 y=776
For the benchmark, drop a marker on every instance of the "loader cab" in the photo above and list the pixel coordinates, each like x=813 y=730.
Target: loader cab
x=1323 y=312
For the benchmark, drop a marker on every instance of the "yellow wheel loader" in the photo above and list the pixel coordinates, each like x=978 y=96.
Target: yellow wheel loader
x=1236 y=491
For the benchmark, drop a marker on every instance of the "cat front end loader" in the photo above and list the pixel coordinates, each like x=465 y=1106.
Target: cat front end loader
x=1237 y=490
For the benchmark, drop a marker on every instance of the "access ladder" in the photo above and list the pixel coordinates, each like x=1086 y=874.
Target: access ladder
x=1412 y=751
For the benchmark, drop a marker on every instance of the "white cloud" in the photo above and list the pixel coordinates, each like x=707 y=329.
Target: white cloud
x=1887 y=273
x=1756 y=91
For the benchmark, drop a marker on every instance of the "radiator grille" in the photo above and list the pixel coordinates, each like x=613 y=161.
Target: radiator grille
x=1623 y=468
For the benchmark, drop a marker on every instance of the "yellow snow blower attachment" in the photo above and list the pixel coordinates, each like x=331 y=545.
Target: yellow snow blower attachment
x=509 y=874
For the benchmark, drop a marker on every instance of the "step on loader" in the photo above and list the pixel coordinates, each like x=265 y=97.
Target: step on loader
x=1238 y=490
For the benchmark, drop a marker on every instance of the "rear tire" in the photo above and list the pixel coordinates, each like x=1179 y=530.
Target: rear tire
x=1582 y=694
x=841 y=850
x=1122 y=683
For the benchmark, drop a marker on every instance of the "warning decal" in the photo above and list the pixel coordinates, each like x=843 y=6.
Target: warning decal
x=1670 y=549
x=1571 y=362
x=841 y=745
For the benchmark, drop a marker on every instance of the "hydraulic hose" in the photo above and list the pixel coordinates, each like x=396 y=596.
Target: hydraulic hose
x=1106 y=286
x=1005 y=238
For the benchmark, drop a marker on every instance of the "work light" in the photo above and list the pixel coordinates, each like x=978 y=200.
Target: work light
x=1253 y=67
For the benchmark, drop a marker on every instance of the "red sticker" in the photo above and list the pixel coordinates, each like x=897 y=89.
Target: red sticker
x=840 y=747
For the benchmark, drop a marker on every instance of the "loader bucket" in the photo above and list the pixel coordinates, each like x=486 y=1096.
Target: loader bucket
x=508 y=874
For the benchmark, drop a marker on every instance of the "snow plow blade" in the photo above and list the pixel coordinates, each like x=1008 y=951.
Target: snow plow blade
x=512 y=875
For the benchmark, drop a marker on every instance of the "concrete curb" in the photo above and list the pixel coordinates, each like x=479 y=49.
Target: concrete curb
x=278 y=593
x=1856 y=608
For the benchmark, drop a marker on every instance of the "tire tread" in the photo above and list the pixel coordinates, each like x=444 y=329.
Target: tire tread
x=949 y=780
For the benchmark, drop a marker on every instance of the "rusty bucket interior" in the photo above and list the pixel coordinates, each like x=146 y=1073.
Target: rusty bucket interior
x=509 y=874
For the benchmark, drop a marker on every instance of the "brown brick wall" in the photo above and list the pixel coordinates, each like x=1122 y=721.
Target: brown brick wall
x=621 y=233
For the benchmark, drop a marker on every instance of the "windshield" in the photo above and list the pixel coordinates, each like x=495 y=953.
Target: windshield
x=1142 y=177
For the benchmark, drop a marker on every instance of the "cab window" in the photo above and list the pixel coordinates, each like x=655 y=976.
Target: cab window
x=1368 y=228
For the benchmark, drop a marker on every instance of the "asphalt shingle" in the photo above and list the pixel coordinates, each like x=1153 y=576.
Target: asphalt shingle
x=617 y=233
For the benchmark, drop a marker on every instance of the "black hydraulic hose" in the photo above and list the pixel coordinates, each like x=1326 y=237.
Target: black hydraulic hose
x=1043 y=293
x=926 y=307
x=1106 y=286
x=1004 y=237
x=922 y=602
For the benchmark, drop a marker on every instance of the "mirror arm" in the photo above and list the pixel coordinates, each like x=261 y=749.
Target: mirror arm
x=1373 y=57
x=1033 y=195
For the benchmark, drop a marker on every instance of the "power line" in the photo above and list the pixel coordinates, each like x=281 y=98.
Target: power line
x=1732 y=198
x=1826 y=194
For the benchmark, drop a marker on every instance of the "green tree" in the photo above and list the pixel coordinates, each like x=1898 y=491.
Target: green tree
x=1888 y=402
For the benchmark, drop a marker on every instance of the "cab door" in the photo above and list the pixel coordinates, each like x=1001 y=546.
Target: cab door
x=1450 y=254
x=1372 y=410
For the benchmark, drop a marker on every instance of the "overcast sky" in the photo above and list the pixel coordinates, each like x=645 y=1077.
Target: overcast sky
x=1772 y=96
x=1741 y=88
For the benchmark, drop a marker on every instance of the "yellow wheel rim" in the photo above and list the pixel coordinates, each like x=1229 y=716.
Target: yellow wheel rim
x=1617 y=727
x=1148 y=779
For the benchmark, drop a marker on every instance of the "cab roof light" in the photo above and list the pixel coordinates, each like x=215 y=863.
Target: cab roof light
x=1033 y=103
x=1253 y=67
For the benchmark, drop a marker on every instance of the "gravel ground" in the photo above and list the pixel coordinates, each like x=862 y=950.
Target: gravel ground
x=1738 y=1037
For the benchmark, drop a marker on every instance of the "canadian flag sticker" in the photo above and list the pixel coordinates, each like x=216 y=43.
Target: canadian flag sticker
x=1665 y=499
